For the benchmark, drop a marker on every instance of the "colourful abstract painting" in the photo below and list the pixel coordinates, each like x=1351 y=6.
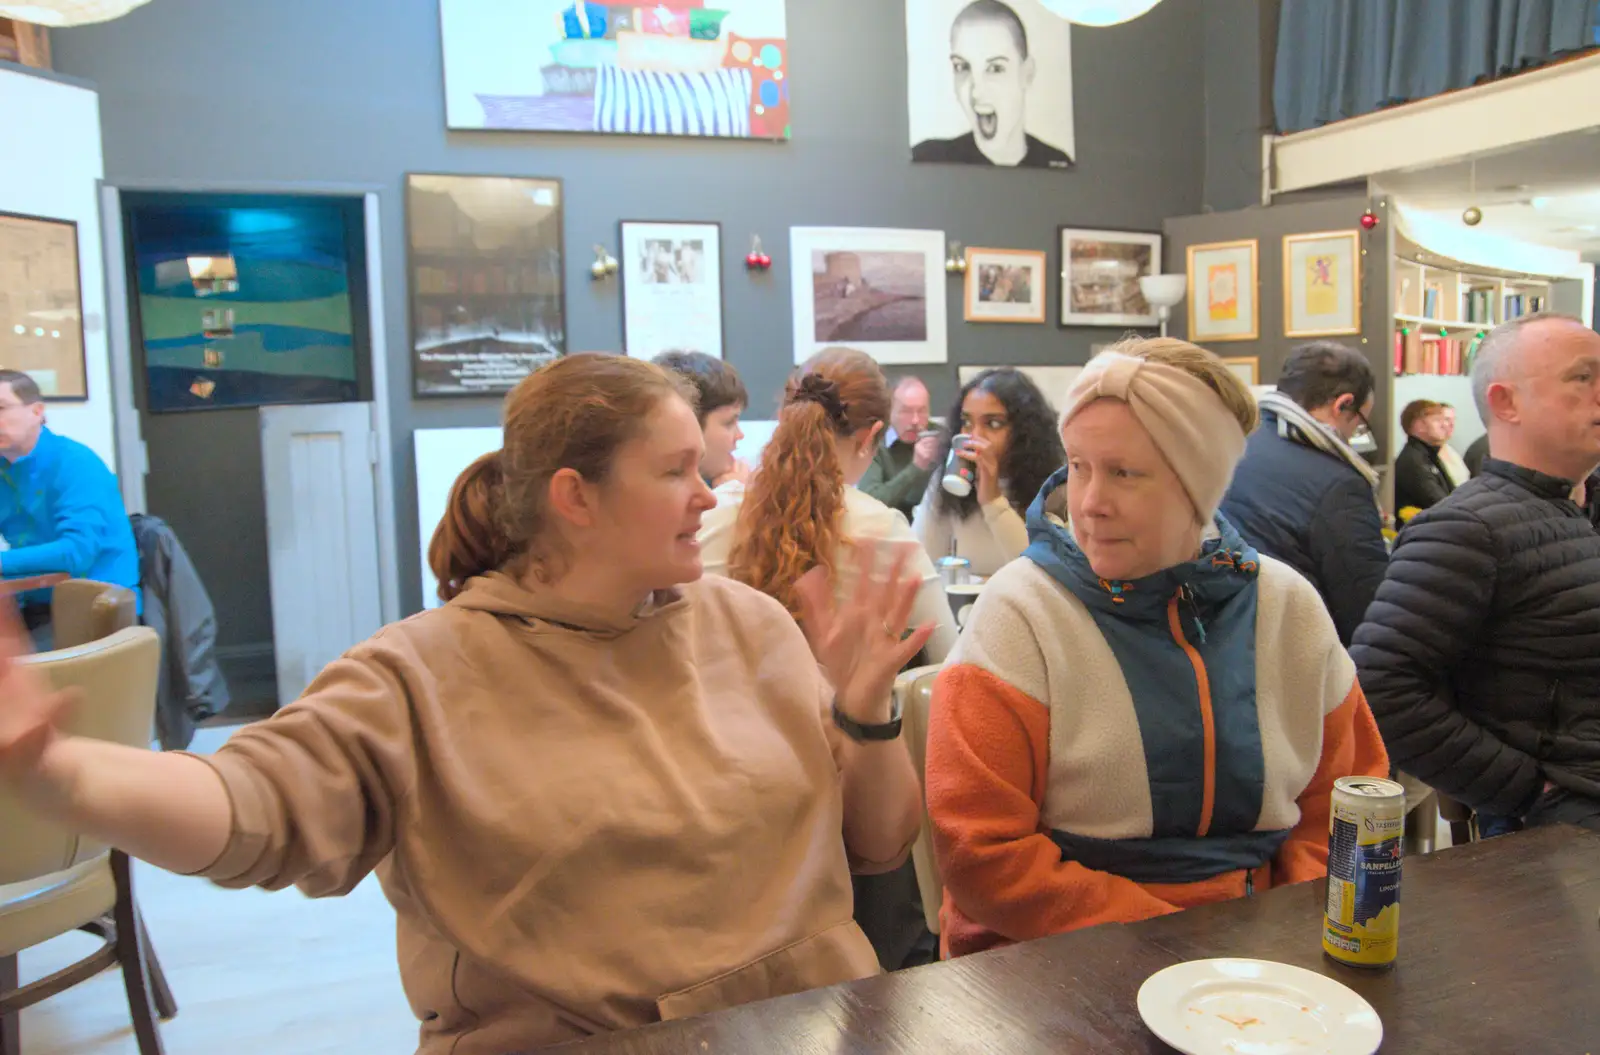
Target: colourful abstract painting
x=247 y=300
x=683 y=68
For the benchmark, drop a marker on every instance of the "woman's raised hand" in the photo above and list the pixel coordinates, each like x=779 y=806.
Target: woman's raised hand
x=30 y=714
x=862 y=645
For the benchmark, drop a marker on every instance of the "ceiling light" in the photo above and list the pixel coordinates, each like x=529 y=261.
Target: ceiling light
x=1099 y=12
x=57 y=13
x=1540 y=202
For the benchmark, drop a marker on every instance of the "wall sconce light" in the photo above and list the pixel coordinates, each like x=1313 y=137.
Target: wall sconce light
x=956 y=262
x=605 y=265
x=757 y=259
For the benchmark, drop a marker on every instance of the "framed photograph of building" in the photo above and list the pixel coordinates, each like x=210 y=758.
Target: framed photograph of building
x=671 y=288
x=1322 y=284
x=1005 y=285
x=1222 y=298
x=876 y=289
x=1100 y=272
x=677 y=68
x=488 y=305
x=41 y=305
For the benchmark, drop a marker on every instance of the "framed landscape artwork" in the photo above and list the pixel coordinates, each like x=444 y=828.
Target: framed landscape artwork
x=682 y=67
x=1222 y=292
x=671 y=288
x=1005 y=285
x=1322 y=284
x=488 y=303
x=247 y=300
x=1100 y=273
x=876 y=289
x=41 y=305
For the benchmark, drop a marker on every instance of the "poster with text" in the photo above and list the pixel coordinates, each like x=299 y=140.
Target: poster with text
x=671 y=288
x=487 y=300
x=989 y=82
x=681 y=68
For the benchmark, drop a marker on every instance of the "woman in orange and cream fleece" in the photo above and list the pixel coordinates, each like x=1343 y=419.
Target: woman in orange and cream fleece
x=1143 y=714
x=599 y=789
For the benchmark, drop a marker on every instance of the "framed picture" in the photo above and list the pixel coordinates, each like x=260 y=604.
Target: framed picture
x=1054 y=381
x=1100 y=273
x=1005 y=285
x=41 y=305
x=1247 y=367
x=678 y=68
x=1322 y=284
x=989 y=84
x=876 y=289
x=248 y=300
x=1222 y=292
x=488 y=303
x=671 y=288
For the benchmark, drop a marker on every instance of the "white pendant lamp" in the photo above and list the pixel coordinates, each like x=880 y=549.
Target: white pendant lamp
x=1099 y=12
x=58 y=13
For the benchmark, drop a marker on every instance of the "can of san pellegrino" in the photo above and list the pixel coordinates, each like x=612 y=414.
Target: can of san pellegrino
x=1366 y=842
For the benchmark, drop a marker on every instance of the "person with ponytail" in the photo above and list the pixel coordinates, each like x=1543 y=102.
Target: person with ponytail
x=599 y=789
x=802 y=510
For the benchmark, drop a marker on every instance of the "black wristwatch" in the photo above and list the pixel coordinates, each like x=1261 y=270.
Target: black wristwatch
x=860 y=733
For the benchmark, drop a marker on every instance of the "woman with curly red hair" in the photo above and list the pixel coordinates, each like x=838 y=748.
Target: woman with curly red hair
x=802 y=507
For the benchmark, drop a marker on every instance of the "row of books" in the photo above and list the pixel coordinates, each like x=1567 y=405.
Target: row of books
x=1478 y=305
x=1418 y=353
x=1519 y=304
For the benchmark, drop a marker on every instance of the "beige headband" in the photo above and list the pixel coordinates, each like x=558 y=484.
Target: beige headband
x=1195 y=432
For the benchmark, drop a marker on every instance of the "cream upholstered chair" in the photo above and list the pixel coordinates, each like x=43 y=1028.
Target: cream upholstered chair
x=83 y=610
x=913 y=690
x=54 y=881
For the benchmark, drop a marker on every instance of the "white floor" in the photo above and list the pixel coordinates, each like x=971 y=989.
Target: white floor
x=253 y=973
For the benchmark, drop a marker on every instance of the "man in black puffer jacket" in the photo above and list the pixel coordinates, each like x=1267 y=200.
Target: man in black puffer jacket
x=1480 y=656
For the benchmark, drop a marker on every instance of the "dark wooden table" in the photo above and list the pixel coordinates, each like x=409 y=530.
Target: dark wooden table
x=31 y=582
x=1499 y=955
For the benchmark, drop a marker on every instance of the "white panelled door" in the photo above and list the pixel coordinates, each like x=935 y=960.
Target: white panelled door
x=322 y=535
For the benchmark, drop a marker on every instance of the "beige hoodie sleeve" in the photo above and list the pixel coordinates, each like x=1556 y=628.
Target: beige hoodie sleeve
x=316 y=789
x=1009 y=529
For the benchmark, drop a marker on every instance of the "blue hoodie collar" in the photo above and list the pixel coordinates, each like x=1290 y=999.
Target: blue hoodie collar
x=1226 y=565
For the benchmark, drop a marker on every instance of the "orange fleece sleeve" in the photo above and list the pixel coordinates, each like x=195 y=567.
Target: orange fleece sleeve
x=988 y=761
x=1351 y=746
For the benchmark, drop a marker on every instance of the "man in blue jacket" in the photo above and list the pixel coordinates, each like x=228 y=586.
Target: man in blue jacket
x=60 y=507
x=1302 y=494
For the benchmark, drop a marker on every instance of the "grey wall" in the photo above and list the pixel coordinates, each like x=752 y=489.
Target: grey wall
x=1268 y=227
x=1240 y=43
x=351 y=91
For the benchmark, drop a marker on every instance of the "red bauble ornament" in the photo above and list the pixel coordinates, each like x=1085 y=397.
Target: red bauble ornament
x=753 y=261
x=1369 y=220
x=764 y=261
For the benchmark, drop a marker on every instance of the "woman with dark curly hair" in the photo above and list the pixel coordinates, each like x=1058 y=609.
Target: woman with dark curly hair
x=1014 y=448
x=802 y=510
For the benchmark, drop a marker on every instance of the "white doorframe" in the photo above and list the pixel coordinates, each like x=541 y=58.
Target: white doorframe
x=132 y=460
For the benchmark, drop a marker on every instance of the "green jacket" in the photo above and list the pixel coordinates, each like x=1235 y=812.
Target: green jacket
x=894 y=479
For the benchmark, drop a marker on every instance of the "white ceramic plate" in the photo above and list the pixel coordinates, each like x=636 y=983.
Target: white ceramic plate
x=1256 y=1007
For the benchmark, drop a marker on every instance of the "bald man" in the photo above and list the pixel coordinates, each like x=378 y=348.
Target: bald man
x=1480 y=655
x=899 y=472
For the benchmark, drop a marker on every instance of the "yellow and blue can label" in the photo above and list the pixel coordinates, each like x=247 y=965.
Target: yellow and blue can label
x=1366 y=844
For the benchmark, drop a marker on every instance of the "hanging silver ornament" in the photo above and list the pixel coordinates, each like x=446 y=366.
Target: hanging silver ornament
x=1472 y=216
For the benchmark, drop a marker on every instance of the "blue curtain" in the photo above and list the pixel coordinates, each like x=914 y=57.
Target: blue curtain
x=1342 y=58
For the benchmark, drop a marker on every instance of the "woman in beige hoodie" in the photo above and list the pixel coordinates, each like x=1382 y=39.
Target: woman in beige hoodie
x=599 y=790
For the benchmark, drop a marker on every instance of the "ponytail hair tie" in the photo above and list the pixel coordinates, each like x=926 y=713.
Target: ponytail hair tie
x=814 y=388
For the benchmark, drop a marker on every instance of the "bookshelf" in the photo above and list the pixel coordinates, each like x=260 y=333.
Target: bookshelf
x=1442 y=308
